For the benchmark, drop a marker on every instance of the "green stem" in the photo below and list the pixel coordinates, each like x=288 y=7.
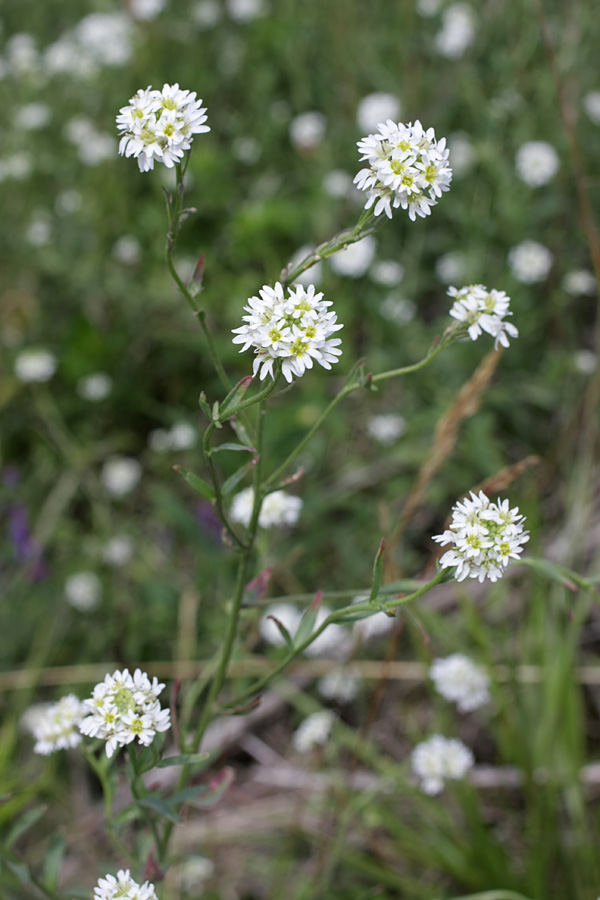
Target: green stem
x=100 y=769
x=252 y=401
x=220 y=509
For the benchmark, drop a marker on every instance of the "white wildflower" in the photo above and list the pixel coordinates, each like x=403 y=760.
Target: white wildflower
x=440 y=759
x=21 y=54
x=123 y=886
x=146 y=10
x=376 y=108
x=354 y=260
x=580 y=283
x=124 y=707
x=279 y=508
x=386 y=272
x=193 y=871
x=337 y=183
x=127 y=250
x=245 y=10
x=118 y=550
x=247 y=149
x=407 y=167
x=94 y=387
x=386 y=428
x=160 y=125
x=586 y=362
x=33 y=116
x=485 y=537
x=106 y=37
x=536 y=163
x=307 y=130
x=591 y=105
x=296 y=330
x=530 y=262
x=120 y=474
x=460 y=680
x=478 y=310
x=68 y=202
x=313 y=731
x=83 y=591
x=55 y=726
x=16 y=167
x=457 y=32
x=428 y=8
x=287 y=614
x=39 y=232
x=398 y=309
x=35 y=365
x=450 y=267
x=339 y=686
x=206 y=13
x=181 y=436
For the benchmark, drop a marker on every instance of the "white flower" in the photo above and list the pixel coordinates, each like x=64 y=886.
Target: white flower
x=374 y=626
x=33 y=116
x=428 y=8
x=296 y=330
x=106 y=37
x=16 y=167
x=68 y=202
x=124 y=707
x=450 y=267
x=39 y=232
x=376 y=108
x=310 y=276
x=386 y=428
x=287 y=614
x=580 y=282
x=307 y=130
x=160 y=125
x=123 y=886
x=339 y=686
x=354 y=260
x=206 y=13
x=146 y=10
x=313 y=731
x=279 y=508
x=462 y=153
x=245 y=10
x=94 y=387
x=485 y=537
x=439 y=759
x=530 y=262
x=536 y=163
x=118 y=551
x=120 y=474
x=83 y=591
x=247 y=149
x=21 y=54
x=127 y=250
x=457 y=32
x=333 y=641
x=192 y=872
x=478 y=310
x=586 y=362
x=181 y=436
x=386 y=272
x=591 y=105
x=407 y=167
x=55 y=726
x=337 y=183
x=398 y=309
x=35 y=365
x=459 y=679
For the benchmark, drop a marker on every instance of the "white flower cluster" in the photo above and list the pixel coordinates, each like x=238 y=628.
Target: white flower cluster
x=536 y=163
x=277 y=509
x=35 y=366
x=160 y=125
x=55 y=726
x=458 y=679
x=482 y=310
x=484 y=535
x=295 y=330
x=530 y=262
x=440 y=759
x=123 y=887
x=124 y=707
x=407 y=167
x=313 y=731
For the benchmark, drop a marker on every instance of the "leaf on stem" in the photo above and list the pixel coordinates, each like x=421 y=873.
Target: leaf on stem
x=156 y=803
x=206 y=795
x=232 y=482
x=236 y=395
x=53 y=862
x=197 y=484
x=377 y=573
x=195 y=284
x=307 y=622
x=184 y=759
x=23 y=824
x=257 y=588
x=228 y=445
x=203 y=403
x=240 y=430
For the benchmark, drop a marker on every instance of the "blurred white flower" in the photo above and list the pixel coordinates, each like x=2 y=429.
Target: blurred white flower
x=40 y=229
x=386 y=272
x=457 y=32
x=530 y=262
x=536 y=163
x=16 y=167
x=397 y=309
x=339 y=686
x=386 y=428
x=462 y=153
x=146 y=10
x=484 y=535
x=428 y=8
x=124 y=708
x=591 y=105
x=127 y=250
x=376 y=108
x=35 y=365
x=181 y=436
x=440 y=759
x=580 y=282
x=586 y=362
x=334 y=641
x=279 y=508
x=67 y=56
x=159 y=440
x=83 y=591
x=247 y=149
x=206 y=13
x=245 y=10
x=21 y=54
x=120 y=474
x=111 y=888
x=287 y=614
x=94 y=387
x=458 y=679
x=98 y=147
x=354 y=261
x=106 y=37
x=118 y=550
x=33 y=116
x=375 y=626
x=337 y=183
x=450 y=267
x=68 y=202
x=313 y=731
x=310 y=276
x=192 y=872
x=307 y=130
x=55 y=726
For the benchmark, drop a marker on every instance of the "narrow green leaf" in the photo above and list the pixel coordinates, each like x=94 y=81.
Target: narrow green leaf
x=241 y=431
x=203 y=403
x=53 y=862
x=228 y=445
x=23 y=824
x=206 y=795
x=197 y=484
x=232 y=482
x=550 y=570
x=160 y=806
x=377 y=573
x=185 y=759
x=284 y=632
x=307 y=622
x=236 y=395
